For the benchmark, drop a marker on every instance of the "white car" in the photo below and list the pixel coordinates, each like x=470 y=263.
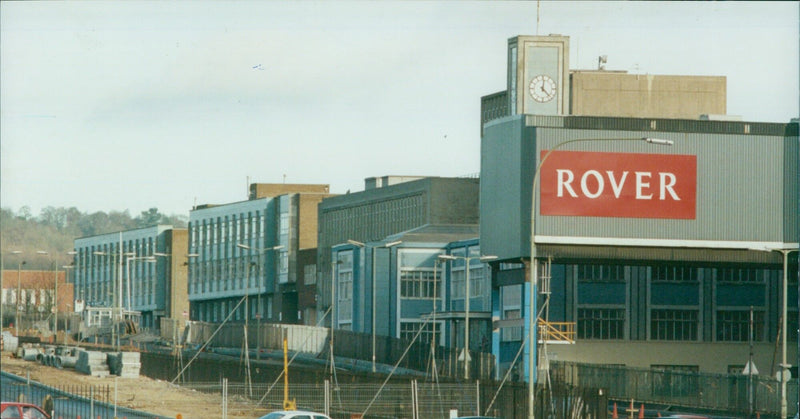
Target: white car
x=295 y=414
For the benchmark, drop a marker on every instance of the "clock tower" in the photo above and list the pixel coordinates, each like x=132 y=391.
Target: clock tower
x=538 y=75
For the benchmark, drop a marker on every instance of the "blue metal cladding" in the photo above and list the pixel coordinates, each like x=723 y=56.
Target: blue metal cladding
x=558 y=297
x=742 y=295
x=602 y=293
x=675 y=294
x=747 y=181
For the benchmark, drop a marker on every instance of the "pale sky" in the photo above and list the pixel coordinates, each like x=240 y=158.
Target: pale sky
x=132 y=105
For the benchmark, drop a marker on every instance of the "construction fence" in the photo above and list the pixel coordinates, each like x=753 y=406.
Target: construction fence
x=413 y=399
x=316 y=341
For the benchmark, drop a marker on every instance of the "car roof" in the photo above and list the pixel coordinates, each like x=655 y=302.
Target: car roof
x=18 y=404
x=24 y=404
x=298 y=412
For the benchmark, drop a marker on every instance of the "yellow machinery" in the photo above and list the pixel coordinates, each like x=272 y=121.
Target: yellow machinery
x=287 y=404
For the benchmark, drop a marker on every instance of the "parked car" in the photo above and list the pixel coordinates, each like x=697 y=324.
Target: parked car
x=17 y=410
x=295 y=414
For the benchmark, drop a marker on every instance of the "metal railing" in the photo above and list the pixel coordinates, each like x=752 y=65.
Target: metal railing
x=738 y=394
x=68 y=401
x=557 y=331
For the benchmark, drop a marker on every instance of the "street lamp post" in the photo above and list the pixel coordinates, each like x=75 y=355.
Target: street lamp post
x=784 y=325
x=66 y=269
x=19 y=294
x=2 y=276
x=55 y=294
x=116 y=301
x=260 y=308
x=55 y=290
x=467 y=297
x=169 y=292
x=374 y=293
x=16 y=319
x=532 y=316
x=128 y=260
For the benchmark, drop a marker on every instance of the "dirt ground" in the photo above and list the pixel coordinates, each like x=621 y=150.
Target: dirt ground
x=142 y=393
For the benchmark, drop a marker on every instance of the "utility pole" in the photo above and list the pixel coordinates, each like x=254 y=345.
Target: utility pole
x=19 y=295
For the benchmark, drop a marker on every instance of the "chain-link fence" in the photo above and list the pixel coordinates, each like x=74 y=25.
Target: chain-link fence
x=350 y=400
x=413 y=399
x=351 y=345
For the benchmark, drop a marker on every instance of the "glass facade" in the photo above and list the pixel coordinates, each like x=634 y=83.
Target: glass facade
x=665 y=302
x=236 y=250
x=121 y=270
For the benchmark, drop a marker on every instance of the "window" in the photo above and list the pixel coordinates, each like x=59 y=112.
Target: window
x=511 y=297
x=192 y=235
x=673 y=325
x=284 y=262
x=601 y=273
x=477 y=283
x=430 y=331
x=310 y=274
x=734 y=326
x=792 y=326
x=740 y=275
x=601 y=323
x=506 y=266
x=420 y=283
x=514 y=333
x=674 y=274
x=344 y=288
x=284 y=226
x=457 y=284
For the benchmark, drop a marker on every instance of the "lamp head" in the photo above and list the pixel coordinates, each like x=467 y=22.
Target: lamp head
x=658 y=141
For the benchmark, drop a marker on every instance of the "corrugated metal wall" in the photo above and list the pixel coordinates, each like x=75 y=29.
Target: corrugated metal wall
x=747 y=182
x=745 y=189
x=740 y=188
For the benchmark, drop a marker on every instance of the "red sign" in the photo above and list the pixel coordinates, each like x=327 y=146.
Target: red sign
x=594 y=184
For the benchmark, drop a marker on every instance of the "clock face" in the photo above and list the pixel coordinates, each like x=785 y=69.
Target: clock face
x=542 y=88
